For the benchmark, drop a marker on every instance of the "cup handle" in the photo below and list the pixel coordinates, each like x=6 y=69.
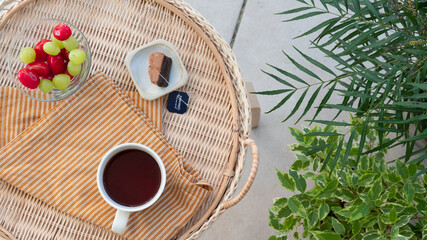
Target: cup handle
x=120 y=222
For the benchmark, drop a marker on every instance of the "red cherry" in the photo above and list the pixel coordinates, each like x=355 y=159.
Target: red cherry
x=62 y=32
x=56 y=64
x=50 y=77
x=40 y=68
x=28 y=78
x=64 y=54
x=40 y=53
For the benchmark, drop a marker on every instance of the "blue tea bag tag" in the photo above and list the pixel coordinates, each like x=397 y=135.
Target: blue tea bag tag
x=177 y=102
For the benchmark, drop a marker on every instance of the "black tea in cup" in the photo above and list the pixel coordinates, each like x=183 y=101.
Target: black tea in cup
x=132 y=177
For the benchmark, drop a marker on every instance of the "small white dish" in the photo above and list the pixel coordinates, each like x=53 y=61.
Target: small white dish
x=137 y=65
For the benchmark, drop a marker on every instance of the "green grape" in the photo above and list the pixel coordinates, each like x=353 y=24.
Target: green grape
x=77 y=56
x=61 y=81
x=51 y=48
x=74 y=69
x=46 y=85
x=71 y=43
x=57 y=42
x=27 y=55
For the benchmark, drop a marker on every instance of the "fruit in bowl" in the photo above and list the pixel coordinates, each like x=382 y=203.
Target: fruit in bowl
x=52 y=64
x=40 y=48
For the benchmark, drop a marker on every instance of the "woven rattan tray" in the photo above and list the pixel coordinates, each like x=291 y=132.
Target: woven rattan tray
x=212 y=135
x=5 y=235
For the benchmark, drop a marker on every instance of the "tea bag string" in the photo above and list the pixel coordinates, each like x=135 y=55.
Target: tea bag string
x=180 y=98
x=150 y=66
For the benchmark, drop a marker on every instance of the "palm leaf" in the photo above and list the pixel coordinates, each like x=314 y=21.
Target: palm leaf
x=336 y=35
x=356 y=5
x=302 y=68
x=387 y=129
x=372 y=9
x=362 y=139
x=419 y=85
x=319 y=26
x=288 y=74
x=328 y=157
x=421 y=172
x=411 y=104
x=347 y=150
x=337 y=6
x=324 y=4
x=322 y=134
x=383 y=145
x=295 y=10
x=395 y=107
x=325 y=100
x=279 y=79
x=410 y=146
x=418 y=159
x=384 y=41
x=310 y=103
x=272 y=92
x=417 y=96
x=307 y=15
x=316 y=63
x=342 y=108
x=316 y=149
x=337 y=155
x=330 y=30
x=362 y=38
x=415 y=51
x=297 y=105
x=369 y=75
x=355 y=94
x=423 y=135
x=284 y=100
x=333 y=56
x=414 y=119
x=424 y=72
x=332 y=123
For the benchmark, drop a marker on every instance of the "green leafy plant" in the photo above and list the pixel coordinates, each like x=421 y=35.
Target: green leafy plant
x=369 y=200
x=380 y=50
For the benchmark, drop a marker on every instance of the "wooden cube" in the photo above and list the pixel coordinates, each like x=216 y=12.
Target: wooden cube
x=255 y=107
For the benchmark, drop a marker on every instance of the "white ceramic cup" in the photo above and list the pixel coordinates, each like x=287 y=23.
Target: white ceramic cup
x=123 y=212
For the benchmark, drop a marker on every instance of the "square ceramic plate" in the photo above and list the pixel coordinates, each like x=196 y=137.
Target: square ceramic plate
x=137 y=64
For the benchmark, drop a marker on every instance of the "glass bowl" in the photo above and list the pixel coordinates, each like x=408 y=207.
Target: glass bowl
x=29 y=36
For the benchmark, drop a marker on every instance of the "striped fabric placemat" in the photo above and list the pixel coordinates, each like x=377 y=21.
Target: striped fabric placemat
x=17 y=111
x=56 y=159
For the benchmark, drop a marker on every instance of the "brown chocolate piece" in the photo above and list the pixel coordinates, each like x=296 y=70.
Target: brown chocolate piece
x=159 y=68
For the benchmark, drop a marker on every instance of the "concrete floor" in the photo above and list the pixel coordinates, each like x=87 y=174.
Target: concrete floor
x=260 y=38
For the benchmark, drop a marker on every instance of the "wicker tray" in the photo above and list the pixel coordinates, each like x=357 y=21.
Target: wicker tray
x=212 y=136
x=5 y=235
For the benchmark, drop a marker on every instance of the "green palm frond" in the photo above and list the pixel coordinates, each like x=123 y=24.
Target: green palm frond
x=380 y=50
